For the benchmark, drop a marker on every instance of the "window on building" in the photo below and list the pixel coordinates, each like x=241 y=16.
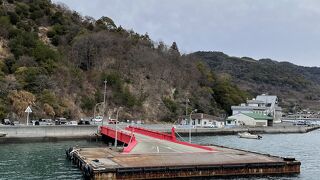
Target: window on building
x=199 y=121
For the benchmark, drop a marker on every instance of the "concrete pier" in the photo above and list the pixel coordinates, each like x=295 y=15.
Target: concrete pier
x=156 y=156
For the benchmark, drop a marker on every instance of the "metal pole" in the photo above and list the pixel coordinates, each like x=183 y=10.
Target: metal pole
x=104 y=99
x=191 y=124
x=187 y=106
x=28 y=119
x=116 y=135
x=94 y=113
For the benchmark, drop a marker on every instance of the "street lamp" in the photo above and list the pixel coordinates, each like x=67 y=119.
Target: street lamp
x=116 y=137
x=190 y=123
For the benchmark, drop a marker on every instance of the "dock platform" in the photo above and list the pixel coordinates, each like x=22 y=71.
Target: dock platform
x=155 y=156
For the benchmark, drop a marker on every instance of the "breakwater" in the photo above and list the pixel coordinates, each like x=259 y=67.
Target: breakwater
x=46 y=133
x=255 y=130
x=55 y=133
x=277 y=129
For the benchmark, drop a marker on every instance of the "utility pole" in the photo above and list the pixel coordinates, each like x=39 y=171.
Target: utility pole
x=190 y=125
x=116 y=135
x=104 y=99
x=187 y=100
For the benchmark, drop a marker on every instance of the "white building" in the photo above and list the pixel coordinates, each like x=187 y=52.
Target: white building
x=202 y=120
x=249 y=119
x=262 y=104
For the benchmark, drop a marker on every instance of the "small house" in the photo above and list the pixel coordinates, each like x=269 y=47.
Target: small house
x=202 y=120
x=249 y=119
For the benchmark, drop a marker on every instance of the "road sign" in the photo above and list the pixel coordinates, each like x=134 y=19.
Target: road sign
x=28 y=110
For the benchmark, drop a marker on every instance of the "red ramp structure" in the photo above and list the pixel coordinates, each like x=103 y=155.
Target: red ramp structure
x=141 y=140
x=164 y=136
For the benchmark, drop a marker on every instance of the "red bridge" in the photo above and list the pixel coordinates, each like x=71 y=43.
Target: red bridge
x=141 y=140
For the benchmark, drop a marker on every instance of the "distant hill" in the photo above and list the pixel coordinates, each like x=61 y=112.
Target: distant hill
x=295 y=85
x=56 y=60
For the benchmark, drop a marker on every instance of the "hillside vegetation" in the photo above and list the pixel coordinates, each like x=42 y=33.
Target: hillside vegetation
x=55 y=60
x=297 y=86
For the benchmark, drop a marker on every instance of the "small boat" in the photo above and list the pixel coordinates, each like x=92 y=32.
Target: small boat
x=249 y=136
x=2 y=134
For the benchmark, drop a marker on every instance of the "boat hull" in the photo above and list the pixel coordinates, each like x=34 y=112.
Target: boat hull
x=249 y=136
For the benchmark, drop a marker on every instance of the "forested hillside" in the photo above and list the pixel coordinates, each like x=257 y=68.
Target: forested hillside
x=56 y=60
x=295 y=85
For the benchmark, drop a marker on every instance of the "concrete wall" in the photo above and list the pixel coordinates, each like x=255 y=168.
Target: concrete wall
x=184 y=130
x=49 y=131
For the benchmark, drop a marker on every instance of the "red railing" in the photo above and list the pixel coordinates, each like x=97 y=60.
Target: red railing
x=154 y=134
x=124 y=137
x=163 y=136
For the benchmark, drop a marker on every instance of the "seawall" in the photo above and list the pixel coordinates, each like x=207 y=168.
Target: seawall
x=233 y=131
x=48 y=131
x=260 y=130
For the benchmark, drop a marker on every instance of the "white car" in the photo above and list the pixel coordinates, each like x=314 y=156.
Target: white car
x=73 y=123
x=97 y=119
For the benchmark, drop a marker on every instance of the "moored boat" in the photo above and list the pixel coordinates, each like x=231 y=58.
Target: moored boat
x=2 y=134
x=249 y=136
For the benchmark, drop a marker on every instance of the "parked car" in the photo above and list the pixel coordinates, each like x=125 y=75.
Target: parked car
x=45 y=122
x=73 y=123
x=97 y=119
x=7 y=122
x=300 y=123
x=113 y=121
x=83 y=122
x=61 y=121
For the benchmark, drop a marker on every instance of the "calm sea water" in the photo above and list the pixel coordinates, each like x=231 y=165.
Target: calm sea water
x=39 y=160
x=304 y=147
x=47 y=160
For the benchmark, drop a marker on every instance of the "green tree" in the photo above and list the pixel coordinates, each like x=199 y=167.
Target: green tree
x=106 y=22
x=87 y=103
x=14 y=17
x=33 y=79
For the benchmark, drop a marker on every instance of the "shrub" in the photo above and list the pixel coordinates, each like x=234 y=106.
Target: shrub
x=22 y=9
x=87 y=103
x=48 y=97
x=43 y=53
x=21 y=100
x=22 y=43
x=113 y=79
x=51 y=33
x=48 y=110
x=14 y=17
x=33 y=79
x=5 y=26
x=170 y=104
x=24 y=26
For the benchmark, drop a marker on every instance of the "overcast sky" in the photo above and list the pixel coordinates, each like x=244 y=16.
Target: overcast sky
x=283 y=30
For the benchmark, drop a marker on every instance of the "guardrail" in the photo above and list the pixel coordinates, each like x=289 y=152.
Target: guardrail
x=154 y=134
x=124 y=137
x=163 y=136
